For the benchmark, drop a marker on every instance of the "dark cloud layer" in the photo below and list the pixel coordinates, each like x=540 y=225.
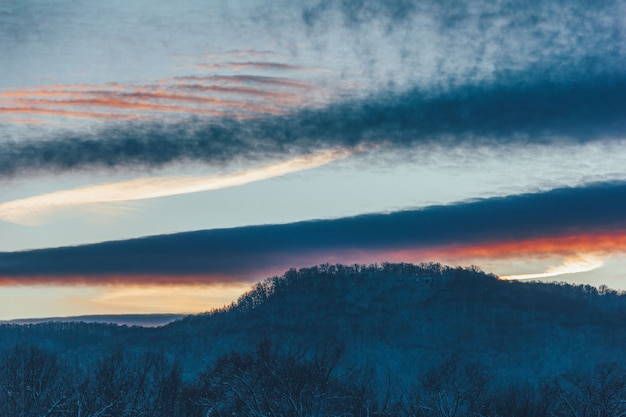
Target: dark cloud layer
x=514 y=110
x=241 y=252
x=506 y=73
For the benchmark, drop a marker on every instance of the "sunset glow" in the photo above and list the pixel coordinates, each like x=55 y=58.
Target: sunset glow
x=162 y=158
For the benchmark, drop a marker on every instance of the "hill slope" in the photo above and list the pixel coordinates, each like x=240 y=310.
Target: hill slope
x=386 y=316
x=395 y=314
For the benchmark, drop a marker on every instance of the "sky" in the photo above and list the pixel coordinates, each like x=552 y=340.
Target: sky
x=160 y=157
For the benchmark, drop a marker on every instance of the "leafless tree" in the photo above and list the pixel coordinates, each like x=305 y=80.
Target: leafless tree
x=451 y=389
x=598 y=394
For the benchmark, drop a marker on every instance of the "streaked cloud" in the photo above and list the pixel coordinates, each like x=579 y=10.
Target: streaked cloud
x=257 y=65
x=29 y=211
x=34 y=111
x=247 y=79
x=209 y=96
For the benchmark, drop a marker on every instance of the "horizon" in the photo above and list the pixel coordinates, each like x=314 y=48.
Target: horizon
x=156 y=158
x=163 y=319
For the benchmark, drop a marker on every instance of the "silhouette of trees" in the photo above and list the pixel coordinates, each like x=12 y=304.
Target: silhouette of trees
x=601 y=393
x=125 y=384
x=520 y=401
x=392 y=320
x=451 y=389
x=287 y=381
x=267 y=382
x=32 y=383
x=35 y=383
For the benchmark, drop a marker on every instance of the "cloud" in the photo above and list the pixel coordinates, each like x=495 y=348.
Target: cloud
x=476 y=71
x=356 y=12
x=238 y=90
x=572 y=265
x=28 y=211
x=150 y=101
x=566 y=244
x=248 y=79
x=414 y=42
x=247 y=253
x=509 y=112
x=281 y=66
x=33 y=111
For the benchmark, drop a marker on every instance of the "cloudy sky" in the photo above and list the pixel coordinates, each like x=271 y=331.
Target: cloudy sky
x=161 y=156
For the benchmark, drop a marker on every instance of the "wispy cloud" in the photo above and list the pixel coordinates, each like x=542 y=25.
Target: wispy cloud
x=572 y=265
x=34 y=111
x=257 y=65
x=29 y=211
x=208 y=96
x=247 y=79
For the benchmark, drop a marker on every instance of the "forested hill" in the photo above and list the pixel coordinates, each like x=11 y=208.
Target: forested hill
x=393 y=314
x=384 y=315
x=393 y=335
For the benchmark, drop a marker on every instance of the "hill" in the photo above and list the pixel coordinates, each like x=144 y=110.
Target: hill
x=391 y=321
x=385 y=314
x=393 y=314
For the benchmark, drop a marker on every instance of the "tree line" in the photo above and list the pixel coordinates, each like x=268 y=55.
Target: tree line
x=288 y=381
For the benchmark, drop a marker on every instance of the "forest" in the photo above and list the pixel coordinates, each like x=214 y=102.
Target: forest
x=335 y=340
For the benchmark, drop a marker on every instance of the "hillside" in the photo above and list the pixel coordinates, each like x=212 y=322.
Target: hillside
x=386 y=315
x=392 y=314
x=394 y=322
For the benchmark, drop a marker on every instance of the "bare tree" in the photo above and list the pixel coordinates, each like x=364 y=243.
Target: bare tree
x=32 y=383
x=599 y=394
x=451 y=389
x=267 y=382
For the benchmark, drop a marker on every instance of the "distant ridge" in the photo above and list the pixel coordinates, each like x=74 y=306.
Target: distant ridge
x=143 y=320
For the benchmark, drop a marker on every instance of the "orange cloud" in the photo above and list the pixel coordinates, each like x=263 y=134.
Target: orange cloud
x=119 y=104
x=58 y=90
x=578 y=253
x=66 y=113
x=604 y=243
x=29 y=121
x=197 y=98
